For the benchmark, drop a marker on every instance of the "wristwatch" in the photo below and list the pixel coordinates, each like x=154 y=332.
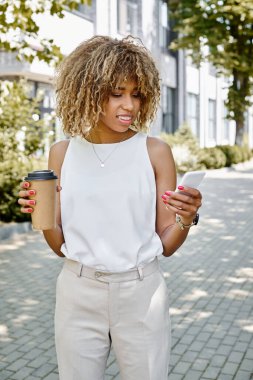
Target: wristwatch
x=183 y=226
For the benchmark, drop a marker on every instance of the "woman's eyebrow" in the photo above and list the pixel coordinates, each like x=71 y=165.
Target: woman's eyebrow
x=124 y=88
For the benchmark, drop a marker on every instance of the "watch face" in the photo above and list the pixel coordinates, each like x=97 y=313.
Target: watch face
x=196 y=220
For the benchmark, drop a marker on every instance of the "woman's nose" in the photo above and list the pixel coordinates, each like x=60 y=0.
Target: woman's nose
x=128 y=103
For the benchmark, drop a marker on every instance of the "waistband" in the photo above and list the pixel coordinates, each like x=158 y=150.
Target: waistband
x=95 y=274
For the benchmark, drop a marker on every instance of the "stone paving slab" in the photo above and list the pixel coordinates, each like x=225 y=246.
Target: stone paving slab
x=210 y=281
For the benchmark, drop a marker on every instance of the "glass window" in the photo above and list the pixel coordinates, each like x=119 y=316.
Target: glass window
x=128 y=16
x=168 y=107
x=212 y=70
x=212 y=119
x=87 y=11
x=166 y=34
x=193 y=113
x=46 y=95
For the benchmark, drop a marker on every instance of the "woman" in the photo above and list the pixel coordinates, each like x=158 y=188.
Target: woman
x=116 y=214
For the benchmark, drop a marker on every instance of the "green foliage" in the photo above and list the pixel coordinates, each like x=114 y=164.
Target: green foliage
x=212 y=158
x=10 y=178
x=185 y=148
x=17 y=128
x=225 y=29
x=235 y=154
x=183 y=135
x=188 y=155
x=18 y=27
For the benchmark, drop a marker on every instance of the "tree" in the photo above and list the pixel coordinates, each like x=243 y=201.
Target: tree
x=22 y=133
x=18 y=27
x=220 y=31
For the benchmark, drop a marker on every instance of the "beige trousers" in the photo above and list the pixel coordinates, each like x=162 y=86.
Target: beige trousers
x=128 y=310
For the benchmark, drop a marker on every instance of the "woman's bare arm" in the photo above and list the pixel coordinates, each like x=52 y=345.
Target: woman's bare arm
x=55 y=237
x=186 y=206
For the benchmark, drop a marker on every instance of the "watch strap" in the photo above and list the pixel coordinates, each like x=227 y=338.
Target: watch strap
x=183 y=226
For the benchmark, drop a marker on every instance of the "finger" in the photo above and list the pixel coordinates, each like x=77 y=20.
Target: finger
x=26 y=193
x=25 y=185
x=184 y=208
x=189 y=190
x=186 y=214
x=177 y=198
x=26 y=202
x=58 y=188
x=26 y=210
x=182 y=201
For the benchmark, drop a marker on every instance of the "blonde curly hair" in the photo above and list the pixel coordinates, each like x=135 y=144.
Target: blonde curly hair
x=86 y=78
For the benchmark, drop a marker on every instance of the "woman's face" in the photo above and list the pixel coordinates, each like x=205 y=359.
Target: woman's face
x=122 y=107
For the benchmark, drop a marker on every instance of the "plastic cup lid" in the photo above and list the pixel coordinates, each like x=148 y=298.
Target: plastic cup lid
x=40 y=175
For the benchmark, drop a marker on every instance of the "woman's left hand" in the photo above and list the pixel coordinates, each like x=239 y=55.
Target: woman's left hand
x=184 y=202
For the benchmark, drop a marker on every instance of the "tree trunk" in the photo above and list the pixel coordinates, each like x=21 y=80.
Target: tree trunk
x=237 y=97
x=239 y=132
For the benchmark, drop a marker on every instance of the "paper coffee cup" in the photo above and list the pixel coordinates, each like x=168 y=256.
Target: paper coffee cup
x=44 y=213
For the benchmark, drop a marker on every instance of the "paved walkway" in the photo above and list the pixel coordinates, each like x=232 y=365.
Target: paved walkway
x=210 y=280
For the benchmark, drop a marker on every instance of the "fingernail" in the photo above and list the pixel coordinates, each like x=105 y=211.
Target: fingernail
x=31 y=192
x=29 y=210
x=168 y=192
x=32 y=202
x=164 y=197
x=26 y=184
x=180 y=187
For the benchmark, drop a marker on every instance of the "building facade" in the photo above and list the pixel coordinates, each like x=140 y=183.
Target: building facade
x=189 y=95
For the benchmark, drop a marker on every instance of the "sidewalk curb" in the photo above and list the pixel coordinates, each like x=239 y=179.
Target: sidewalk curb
x=8 y=230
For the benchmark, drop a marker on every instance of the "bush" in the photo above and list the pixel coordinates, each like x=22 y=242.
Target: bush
x=12 y=170
x=234 y=153
x=183 y=136
x=185 y=159
x=188 y=155
x=212 y=158
x=246 y=153
x=10 y=179
x=185 y=149
x=18 y=130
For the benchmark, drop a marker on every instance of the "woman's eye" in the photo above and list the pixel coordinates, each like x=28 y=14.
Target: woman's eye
x=137 y=95
x=115 y=94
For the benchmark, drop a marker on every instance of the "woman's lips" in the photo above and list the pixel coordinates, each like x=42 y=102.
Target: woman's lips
x=125 y=119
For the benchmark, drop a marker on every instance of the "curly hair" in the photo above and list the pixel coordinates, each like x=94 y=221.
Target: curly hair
x=85 y=79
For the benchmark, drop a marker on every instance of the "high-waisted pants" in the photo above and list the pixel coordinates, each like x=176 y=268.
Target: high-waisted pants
x=129 y=310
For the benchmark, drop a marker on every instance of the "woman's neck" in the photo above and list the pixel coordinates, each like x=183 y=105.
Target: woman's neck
x=98 y=136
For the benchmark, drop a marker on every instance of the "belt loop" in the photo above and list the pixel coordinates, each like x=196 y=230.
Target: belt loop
x=80 y=269
x=140 y=271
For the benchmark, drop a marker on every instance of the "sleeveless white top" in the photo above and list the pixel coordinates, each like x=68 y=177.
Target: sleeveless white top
x=109 y=213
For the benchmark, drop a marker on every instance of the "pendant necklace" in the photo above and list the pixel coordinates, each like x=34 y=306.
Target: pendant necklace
x=102 y=162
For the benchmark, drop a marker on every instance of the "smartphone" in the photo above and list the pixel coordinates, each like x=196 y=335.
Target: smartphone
x=192 y=179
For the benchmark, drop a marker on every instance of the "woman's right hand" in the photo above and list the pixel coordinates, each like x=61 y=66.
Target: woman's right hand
x=24 y=200
x=24 y=195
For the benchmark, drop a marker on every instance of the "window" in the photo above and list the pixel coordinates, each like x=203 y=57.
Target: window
x=168 y=107
x=87 y=11
x=45 y=93
x=212 y=119
x=166 y=34
x=129 y=16
x=193 y=113
x=212 y=70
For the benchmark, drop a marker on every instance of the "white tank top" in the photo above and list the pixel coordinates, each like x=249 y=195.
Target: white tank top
x=109 y=213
